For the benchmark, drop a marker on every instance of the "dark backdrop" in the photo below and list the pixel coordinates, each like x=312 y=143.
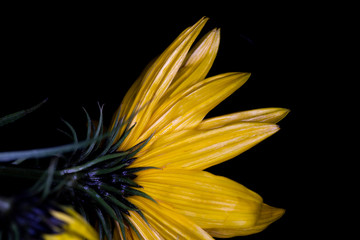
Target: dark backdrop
x=79 y=56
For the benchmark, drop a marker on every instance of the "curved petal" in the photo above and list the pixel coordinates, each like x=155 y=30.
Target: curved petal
x=168 y=223
x=200 y=149
x=75 y=226
x=197 y=63
x=267 y=216
x=147 y=91
x=210 y=201
x=145 y=231
x=266 y=115
x=188 y=108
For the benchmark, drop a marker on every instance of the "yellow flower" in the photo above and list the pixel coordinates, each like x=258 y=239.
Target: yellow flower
x=30 y=217
x=166 y=106
x=74 y=227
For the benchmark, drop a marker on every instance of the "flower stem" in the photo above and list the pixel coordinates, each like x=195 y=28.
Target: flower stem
x=20 y=172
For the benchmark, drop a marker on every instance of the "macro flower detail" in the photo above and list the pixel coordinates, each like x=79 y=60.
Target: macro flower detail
x=168 y=104
x=144 y=176
x=29 y=217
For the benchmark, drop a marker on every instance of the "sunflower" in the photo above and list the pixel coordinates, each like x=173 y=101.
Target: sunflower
x=166 y=109
x=145 y=177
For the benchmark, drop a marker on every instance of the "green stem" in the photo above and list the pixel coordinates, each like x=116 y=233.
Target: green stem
x=21 y=172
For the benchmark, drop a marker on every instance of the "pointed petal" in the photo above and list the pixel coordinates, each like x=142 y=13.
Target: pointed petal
x=168 y=223
x=267 y=115
x=188 y=108
x=146 y=93
x=128 y=233
x=145 y=231
x=75 y=226
x=197 y=64
x=210 y=201
x=268 y=215
x=200 y=149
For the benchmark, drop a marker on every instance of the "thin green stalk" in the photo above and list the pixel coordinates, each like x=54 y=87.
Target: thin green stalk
x=91 y=163
x=21 y=172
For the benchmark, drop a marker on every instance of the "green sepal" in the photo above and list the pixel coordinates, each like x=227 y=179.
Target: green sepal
x=97 y=133
x=120 y=204
x=109 y=170
x=120 y=220
x=136 y=192
x=73 y=135
x=97 y=198
x=134 y=228
x=138 y=169
x=128 y=181
x=114 y=147
x=20 y=114
x=49 y=179
x=92 y=163
x=105 y=226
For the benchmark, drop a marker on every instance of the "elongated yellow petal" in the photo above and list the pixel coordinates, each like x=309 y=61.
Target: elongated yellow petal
x=146 y=94
x=188 y=108
x=267 y=115
x=210 y=201
x=75 y=227
x=145 y=231
x=62 y=236
x=200 y=149
x=128 y=233
x=268 y=215
x=197 y=64
x=168 y=223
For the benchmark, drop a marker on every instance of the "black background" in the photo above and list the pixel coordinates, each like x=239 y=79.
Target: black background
x=79 y=56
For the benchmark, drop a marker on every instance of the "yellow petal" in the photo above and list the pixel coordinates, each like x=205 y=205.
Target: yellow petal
x=267 y=115
x=168 y=223
x=62 y=236
x=268 y=215
x=146 y=93
x=200 y=149
x=129 y=235
x=210 y=201
x=197 y=64
x=75 y=226
x=187 y=108
x=145 y=231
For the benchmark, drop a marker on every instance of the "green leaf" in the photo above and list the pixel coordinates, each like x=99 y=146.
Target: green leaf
x=17 y=115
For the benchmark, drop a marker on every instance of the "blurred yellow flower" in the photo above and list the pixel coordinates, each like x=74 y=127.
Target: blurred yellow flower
x=74 y=227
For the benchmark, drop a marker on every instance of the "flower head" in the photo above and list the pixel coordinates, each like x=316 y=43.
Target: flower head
x=29 y=217
x=145 y=178
x=166 y=107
